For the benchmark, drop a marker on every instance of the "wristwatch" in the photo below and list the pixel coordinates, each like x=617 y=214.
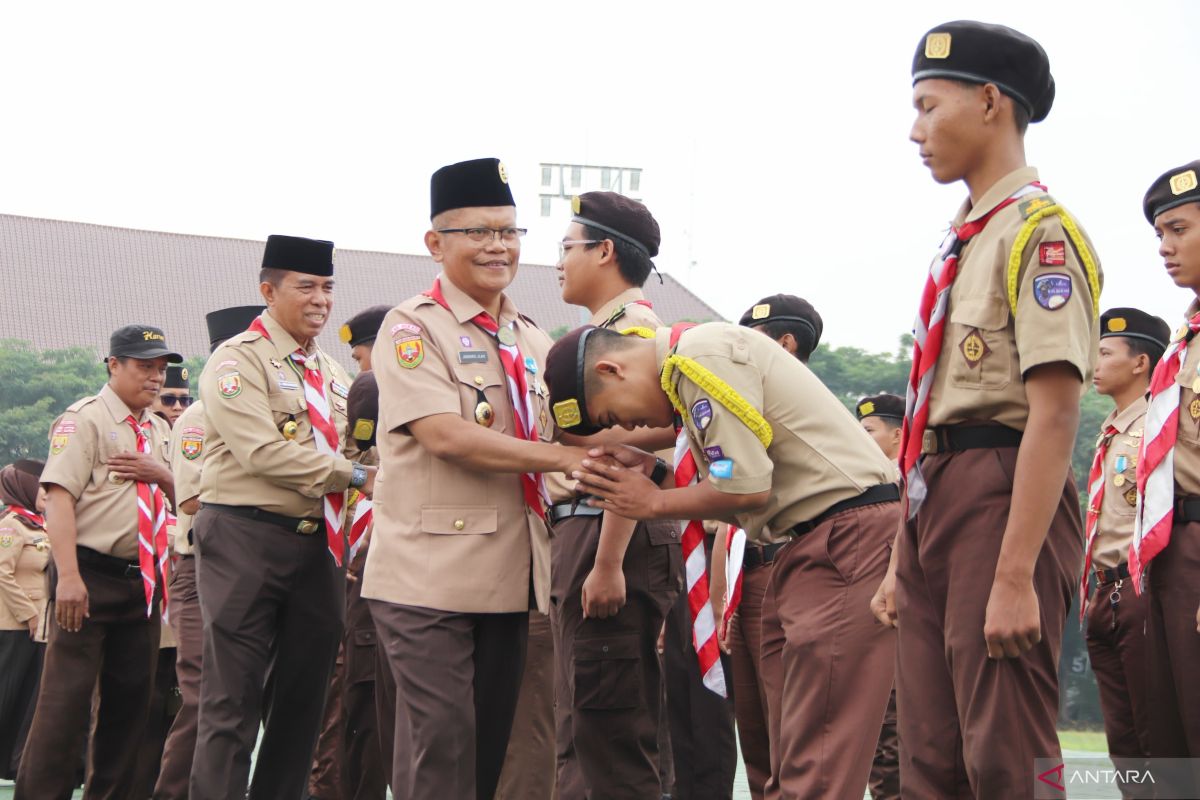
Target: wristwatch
x=358 y=476
x=660 y=472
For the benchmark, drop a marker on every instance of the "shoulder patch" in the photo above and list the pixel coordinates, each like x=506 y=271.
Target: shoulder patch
x=410 y=352
x=230 y=384
x=1052 y=291
x=1034 y=204
x=702 y=413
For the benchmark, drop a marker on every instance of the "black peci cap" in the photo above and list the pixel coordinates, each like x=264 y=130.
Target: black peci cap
x=480 y=183
x=226 y=323
x=363 y=327
x=880 y=405
x=564 y=378
x=1132 y=323
x=177 y=378
x=620 y=217
x=1171 y=189
x=362 y=407
x=141 y=341
x=977 y=52
x=297 y=254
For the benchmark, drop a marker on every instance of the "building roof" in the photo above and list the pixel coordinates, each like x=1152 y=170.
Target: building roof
x=71 y=284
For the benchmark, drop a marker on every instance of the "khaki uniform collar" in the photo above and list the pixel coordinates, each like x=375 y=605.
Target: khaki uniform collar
x=1121 y=420
x=464 y=308
x=116 y=406
x=630 y=295
x=998 y=193
x=285 y=345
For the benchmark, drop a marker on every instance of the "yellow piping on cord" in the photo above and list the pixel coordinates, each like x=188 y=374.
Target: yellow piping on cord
x=719 y=390
x=645 y=333
x=1069 y=225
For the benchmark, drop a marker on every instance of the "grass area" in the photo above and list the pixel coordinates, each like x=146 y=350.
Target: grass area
x=1083 y=740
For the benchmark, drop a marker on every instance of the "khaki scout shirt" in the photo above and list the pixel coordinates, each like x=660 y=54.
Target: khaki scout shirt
x=1187 y=444
x=819 y=454
x=81 y=441
x=250 y=390
x=626 y=310
x=24 y=554
x=985 y=351
x=1114 y=530
x=446 y=536
x=187 y=457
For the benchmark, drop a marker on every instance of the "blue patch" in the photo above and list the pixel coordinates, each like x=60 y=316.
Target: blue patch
x=714 y=453
x=1122 y=463
x=721 y=469
x=701 y=413
x=531 y=365
x=1052 y=291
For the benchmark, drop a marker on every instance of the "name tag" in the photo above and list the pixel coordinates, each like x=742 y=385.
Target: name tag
x=472 y=356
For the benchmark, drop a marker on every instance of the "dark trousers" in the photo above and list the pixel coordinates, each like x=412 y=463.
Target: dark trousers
x=1116 y=643
x=884 y=783
x=703 y=743
x=164 y=703
x=118 y=646
x=827 y=664
x=184 y=603
x=607 y=670
x=749 y=696
x=458 y=676
x=20 y=667
x=971 y=726
x=390 y=717
x=273 y=606
x=529 y=760
x=364 y=776
x=325 y=777
x=1173 y=648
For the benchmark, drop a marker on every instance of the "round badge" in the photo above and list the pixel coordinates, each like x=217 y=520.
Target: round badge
x=115 y=478
x=484 y=414
x=1119 y=481
x=508 y=338
x=289 y=429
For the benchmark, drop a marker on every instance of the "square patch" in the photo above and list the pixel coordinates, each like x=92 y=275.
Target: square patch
x=1052 y=254
x=974 y=348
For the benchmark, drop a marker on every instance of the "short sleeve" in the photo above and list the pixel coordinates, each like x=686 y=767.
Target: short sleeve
x=415 y=379
x=72 y=453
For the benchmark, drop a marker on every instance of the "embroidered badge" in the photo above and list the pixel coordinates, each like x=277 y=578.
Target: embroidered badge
x=567 y=414
x=702 y=413
x=760 y=311
x=1052 y=291
x=364 y=429
x=1116 y=324
x=868 y=408
x=59 y=443
x=722 y=469
x=974 y=348
x=714 y=453
x=1131 y=495
x=66 y=427
x=465 y=341
x=230 y=384
x=543 y=420
x=231 y=363
x=1052 y=254
x=937 y=45
x=7 y=539
x=191 y=447
x=410 y=352
x=1034 y=205
x=405 y=326
x=1183 y=182
x=338 y=389
x=345 y=334
x=472 y=357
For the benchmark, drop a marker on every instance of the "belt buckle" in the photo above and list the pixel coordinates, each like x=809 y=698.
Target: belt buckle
x=307 y=527
x=929 y=442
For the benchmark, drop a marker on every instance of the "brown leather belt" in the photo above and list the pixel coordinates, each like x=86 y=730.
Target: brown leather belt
x=300 y=525
x=956 y=438
x=1112 y=574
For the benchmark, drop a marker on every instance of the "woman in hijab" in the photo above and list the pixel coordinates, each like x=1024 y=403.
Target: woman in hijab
x=24 y=554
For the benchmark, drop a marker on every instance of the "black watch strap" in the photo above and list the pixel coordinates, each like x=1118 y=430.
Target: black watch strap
x=661 y=471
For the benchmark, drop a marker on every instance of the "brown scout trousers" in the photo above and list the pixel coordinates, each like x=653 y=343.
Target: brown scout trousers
x=364 y=775
x=884 y=783
x=749 y=696
x=458 y=676
x=1116 y=643
x=325 y=776
x=827 y=664
x=183 y=600
x=971 y=726
x=609 y=685
x=529 y=760
x=1173 y=648
x=273 y=604
x=118 y=645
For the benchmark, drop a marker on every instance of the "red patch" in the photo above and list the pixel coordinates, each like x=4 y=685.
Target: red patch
x=1052 y=254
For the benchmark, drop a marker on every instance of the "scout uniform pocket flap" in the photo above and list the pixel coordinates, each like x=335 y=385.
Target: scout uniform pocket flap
x=459 y=519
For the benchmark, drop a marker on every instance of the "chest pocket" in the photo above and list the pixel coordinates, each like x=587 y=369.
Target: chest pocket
x=982 y=347
x=287 y=406
x=1123 y=482
x=1189 y=401
x=480 y=384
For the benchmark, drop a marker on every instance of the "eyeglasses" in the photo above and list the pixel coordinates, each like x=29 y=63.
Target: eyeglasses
x=567 y=244
x=508 y=236
x=183 y=400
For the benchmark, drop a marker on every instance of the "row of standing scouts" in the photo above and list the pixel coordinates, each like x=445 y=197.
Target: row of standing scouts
x=499 y=541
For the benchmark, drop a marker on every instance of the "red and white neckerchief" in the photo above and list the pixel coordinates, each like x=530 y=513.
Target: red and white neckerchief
x=695 y=563
x=928 y=332
x=1156 y=459
x=1095 y=500
x=735 y=553
x=325 y=437
x=525 y=419
x=153 y=554
x=364 y=513
x=26 y=514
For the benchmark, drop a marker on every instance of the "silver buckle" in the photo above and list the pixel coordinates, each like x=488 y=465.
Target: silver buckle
x=307 y=527
x=929 y=442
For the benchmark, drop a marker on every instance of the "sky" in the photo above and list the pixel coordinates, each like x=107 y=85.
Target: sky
x=773 y=137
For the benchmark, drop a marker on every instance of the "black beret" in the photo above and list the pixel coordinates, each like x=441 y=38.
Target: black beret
x=363 y=326
x=564 y=378
x=1173 y=188
x=177 y=378
x=141 y=341
x=480 y=183
x=785 y=308
x=226 y=323
x=977 y=52
x=297 y=254
x=880 y=405
x=618 y=216
x=1132 y=323
x=362 y=407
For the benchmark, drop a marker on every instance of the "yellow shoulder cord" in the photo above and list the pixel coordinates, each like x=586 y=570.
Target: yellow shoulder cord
x=645 y=333
x=1015 y=257
x=719 y=390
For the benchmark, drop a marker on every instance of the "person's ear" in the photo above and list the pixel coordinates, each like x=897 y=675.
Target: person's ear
x=788 y=342
x=610 y=369
x=433 y=243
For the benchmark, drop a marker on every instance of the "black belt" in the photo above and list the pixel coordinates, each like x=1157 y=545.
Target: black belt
x=109 y=565
x=1112 y=574
x=759 y=555
x=883 y=493
x=580 y=508
x=955 y=438
x=1187 y=509
x=301 y=525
